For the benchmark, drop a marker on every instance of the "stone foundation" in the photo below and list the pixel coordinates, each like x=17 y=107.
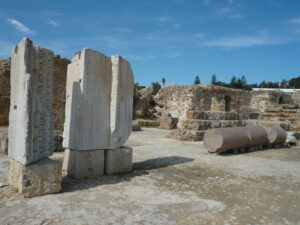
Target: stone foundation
x=41 y=178
x=118 y=160
x=187 y=135
x=84 y=164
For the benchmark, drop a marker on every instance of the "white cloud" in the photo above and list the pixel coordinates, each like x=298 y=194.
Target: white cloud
x=53 y=23
x=245 y=41
x=20 y=26
x=295 y=21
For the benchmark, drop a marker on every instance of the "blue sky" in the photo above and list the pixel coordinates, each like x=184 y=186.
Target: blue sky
x=175 y=39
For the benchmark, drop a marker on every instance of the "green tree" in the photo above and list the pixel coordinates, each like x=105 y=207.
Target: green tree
x=233 y=82
x=284 y=83
x=197 y=80
x=138 y=86
x=213 y=79
x=163 y=80
x=156 y=87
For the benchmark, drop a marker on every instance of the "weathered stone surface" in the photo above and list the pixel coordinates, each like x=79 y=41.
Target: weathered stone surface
x=5 y=91
x=222 y=139
x=283 y=124
x=87 y=113
x=30 y=119
x=166 y=121
x=209 y=115
x=209 y=124
x=121 y=105
x=143 y=104
x=148 y=123
x=187 y=135
x=84 y=164
x=118 y=160
x=59 y=91
x=58 y=141
x=275 y=134
x=40 y=178
x=136 y=126
x=3 y=141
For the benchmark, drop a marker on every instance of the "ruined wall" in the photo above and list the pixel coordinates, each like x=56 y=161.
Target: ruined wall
x=265 y=100
x=218 y=99
x=176 y=100
x=4 y=91
x=180 y=101
x=59 y=91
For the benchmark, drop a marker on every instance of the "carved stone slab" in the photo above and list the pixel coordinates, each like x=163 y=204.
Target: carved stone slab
x=30 y=118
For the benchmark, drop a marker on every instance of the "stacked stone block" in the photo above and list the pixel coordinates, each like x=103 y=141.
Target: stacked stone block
x=30 y=121
x=98 y=113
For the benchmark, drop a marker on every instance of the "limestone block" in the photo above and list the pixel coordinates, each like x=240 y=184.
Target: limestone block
x=84 y=164
x=40 y=178
x=3 y=142
x=118 y=160
x=121 y=106
x=187 y=135
x=30 y=118
x=88 y=94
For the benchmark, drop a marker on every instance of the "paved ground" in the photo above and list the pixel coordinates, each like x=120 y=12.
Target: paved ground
x=173 y=183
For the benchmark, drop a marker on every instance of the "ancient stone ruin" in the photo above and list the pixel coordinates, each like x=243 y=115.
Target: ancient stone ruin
x=98 y=114
x=30 y=134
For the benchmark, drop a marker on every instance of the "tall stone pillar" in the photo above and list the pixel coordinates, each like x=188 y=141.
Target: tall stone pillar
x=87 y=113
x=98 y=114
x=30 y=121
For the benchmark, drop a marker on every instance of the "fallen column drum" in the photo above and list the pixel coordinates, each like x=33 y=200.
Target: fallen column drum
x=276 y=135
x=222 y=139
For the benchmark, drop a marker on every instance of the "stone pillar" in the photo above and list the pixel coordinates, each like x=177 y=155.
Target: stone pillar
x=30 y=130
x=87 y=113
x=98 y=112
x=118 y=158
x=121 y=106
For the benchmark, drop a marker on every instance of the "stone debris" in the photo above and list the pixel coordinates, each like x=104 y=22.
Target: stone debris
x=148 y=123
x=136 y=126
x=3 y=142
x=30 y=130
x=187 y=135
x=166 y=121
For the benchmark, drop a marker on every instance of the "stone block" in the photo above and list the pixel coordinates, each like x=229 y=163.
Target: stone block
x=187 y=135
x=3 y=142
x=168 y=122
x=88 y=94
x=84 y=164
x=40 y=178
x=118 y=160
x=121 y=106
x=136 y=126
x=30 y=118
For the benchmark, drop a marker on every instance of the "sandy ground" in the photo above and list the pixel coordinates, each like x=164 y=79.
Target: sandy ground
x=172 y=183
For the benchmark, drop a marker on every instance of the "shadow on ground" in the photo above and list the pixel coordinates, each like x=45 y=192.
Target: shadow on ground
x=139 y=169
